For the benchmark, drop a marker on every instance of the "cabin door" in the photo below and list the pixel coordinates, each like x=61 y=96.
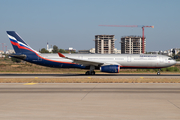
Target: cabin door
x=161 y=59
x=80 y=57
x=129 y=59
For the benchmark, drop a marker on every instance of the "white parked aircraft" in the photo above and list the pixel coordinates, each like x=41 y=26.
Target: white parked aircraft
x=111 y=63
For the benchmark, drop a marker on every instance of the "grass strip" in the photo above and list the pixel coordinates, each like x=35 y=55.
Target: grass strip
x=89 y=80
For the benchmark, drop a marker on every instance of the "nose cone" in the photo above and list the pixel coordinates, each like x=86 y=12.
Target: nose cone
x=174 y=62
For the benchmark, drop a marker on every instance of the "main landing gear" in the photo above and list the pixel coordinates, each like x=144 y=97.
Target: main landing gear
x=158 y=73
x=91 y=72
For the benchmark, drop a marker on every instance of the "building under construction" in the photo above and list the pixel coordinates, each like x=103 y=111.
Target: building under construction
x=132 y=45
x=104 y=44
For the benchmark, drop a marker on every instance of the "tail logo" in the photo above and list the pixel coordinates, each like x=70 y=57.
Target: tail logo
x=21 y=45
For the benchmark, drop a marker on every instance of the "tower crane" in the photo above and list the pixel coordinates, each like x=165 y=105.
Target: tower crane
x=142 y=26
x=3 y=46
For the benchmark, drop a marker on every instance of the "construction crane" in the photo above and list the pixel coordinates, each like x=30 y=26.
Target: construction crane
x=3 y=46
x=6 y=48
x=142 y=26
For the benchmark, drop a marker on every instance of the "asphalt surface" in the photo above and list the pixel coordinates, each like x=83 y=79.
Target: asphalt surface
x=89 y=101
x=93 y=76
x=85 y=90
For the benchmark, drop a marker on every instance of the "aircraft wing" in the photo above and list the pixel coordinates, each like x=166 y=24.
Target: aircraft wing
x=83 y=62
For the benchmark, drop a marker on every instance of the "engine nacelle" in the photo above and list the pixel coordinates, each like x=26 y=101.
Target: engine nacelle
x=110 y=68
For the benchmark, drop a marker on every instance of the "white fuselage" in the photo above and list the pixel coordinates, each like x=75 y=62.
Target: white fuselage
x=124 y=60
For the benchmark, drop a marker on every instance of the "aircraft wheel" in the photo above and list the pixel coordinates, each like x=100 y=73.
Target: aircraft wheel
x=87 y=73
x=93 y=73
x=158 y=73
x=90 y=73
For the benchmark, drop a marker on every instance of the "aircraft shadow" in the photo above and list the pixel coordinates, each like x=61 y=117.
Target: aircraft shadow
x=63 y=75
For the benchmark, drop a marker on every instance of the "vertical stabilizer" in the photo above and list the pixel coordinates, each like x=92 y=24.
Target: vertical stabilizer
x=19 y=45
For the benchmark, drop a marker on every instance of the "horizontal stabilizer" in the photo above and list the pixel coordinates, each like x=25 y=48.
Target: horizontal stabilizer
x=22 y=56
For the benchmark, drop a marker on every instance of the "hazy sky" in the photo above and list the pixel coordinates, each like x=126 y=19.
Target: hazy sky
x=74 y=23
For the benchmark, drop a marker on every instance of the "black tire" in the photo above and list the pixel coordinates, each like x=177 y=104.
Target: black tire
x=93 y=73
x=87 y=73
x=158 y=73
x=90 y=73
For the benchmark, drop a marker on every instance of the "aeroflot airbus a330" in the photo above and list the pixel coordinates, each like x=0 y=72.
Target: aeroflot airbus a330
x=111 y=63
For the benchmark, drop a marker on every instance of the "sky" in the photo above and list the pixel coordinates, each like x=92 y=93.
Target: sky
x=74 y=23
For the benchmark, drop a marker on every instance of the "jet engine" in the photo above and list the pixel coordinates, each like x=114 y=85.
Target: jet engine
x=110 y=68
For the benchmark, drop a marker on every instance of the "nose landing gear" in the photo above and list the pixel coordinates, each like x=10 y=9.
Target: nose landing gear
x=158 y=73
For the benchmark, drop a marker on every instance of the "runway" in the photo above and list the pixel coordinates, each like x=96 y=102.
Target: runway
x=92 y=101
x=85 y=76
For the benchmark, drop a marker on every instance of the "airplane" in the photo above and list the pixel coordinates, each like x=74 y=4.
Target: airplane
x=110 y=63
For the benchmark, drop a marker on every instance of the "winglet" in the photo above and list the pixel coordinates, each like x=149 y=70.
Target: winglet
x=60 y=55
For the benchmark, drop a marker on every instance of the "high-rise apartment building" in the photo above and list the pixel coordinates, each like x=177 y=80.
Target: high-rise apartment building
x=132 y=45
x=104 y=44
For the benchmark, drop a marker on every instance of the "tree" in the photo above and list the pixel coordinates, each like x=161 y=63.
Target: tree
x=73 y=52
x=62 y=51
x=55 y=49
x=43 y=50
x=66 y=51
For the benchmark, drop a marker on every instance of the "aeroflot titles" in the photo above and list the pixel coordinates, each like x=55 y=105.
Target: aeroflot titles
x=148 y=55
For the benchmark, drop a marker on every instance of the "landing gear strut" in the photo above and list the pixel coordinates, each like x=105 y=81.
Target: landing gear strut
x=158 y=73
x=91 y=72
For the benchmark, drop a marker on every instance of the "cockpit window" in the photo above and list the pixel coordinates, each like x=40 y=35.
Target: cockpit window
x=170 y=59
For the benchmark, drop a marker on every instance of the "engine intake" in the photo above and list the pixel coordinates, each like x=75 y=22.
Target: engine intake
x=110 y=68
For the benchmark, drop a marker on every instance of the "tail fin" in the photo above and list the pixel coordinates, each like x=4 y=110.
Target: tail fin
x=19 y=45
